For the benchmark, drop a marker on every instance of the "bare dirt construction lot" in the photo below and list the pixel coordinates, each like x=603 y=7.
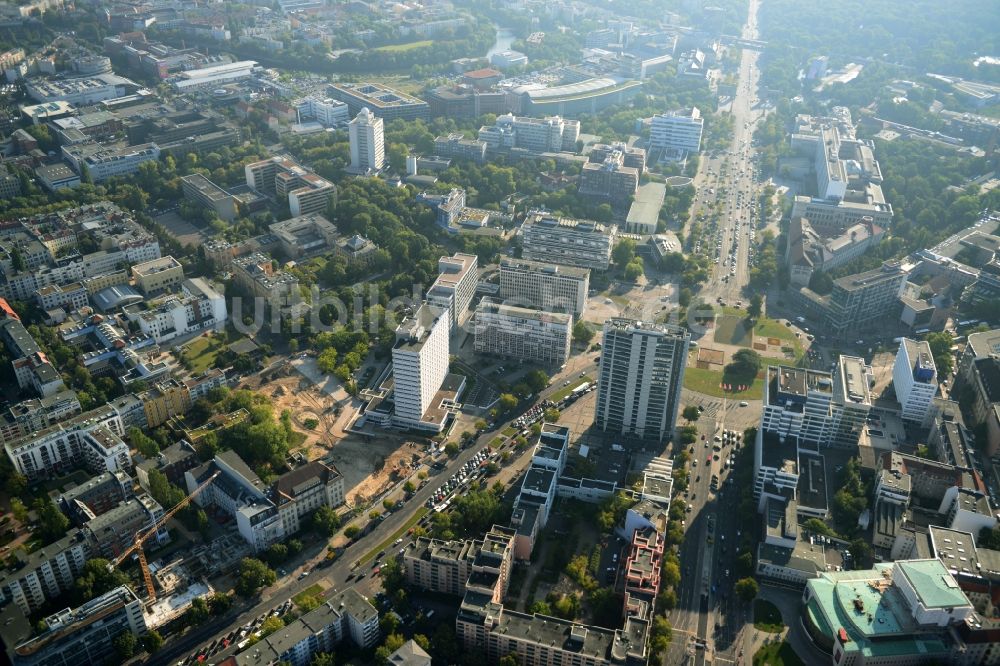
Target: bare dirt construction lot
x=369 y=466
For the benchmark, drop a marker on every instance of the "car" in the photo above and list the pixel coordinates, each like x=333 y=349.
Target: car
x=708 y=458
x=744 y=403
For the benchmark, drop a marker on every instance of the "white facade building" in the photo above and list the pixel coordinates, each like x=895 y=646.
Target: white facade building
x=678 y=133
x=640 y=377
x=914 y=377
x=529 y=335
x=104 y=162
x=455 y=286
x=327 y=112
x=367 y=137
x=420 y=362
x=546 y=286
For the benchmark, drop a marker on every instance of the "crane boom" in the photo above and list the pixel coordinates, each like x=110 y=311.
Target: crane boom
x=142 y=536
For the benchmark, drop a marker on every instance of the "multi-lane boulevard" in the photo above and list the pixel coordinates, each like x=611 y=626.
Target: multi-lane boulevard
x=709 y=622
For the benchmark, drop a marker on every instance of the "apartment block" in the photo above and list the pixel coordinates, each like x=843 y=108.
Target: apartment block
x=157 y=276
x=32 y=368
x=36 y=414
x=535 y=336
x=69 y=297
x=45 y=573
x=345 y=616
x=172 y=462
x=639 y=378
x=286 y=180
x=858 y=301
x=581 y=243
x=82 y=635
x=808 y=251
x=914 y=377
x=455 y=286
x=546 y=286
x=91 y=439
x=201 y=190
x=196 y=306
x=265 y=514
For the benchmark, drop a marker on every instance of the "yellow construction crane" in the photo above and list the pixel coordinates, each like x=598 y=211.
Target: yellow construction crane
x=142 y=536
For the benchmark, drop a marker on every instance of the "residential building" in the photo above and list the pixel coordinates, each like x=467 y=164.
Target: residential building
x=305 y=235
x=581 y=243
x=35 y=414
x=639 y=378
x=913 y=605
x=367 y=139
x=164 y=401
x=326 y=111
x=455 y=286
x=345 y=616
x=914 y=377
x=45 y=573
x=677 y=134
x=384 y=102
x=535 y=135
x=196 y=306
x=201 y=190
x=357 y=250
x=69 y=297
x=535 y=336
x=172 y=462
x=265 y=515
x=632 y=157
x=286 y=180
x=410 y=654
x=85 y=634
x=447 y=567
x=542 y=285
x=157 y=276
x=101 y=161
x=114 y=531
x=32 y=368
x=420 y=365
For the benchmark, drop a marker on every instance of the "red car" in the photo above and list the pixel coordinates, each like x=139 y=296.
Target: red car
x=708 y=458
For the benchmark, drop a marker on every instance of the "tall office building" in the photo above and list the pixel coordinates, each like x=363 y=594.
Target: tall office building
x=455 y=286
x=914 y=376
x=289 y=181
x=529 y=335
x=677 y=133
x=640 y=377
x=547 y=286
x=420 y=362
x=367 y=138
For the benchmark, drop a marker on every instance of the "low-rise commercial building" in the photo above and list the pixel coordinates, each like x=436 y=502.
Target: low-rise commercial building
x=157 y=276
x=384 y=102
x=102 y=162
x=201 y=190
x=304 y=235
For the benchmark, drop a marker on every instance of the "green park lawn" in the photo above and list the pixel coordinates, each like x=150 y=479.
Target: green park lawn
x=767 y=617
x=202 y=358
x=707 y=382
x=777 y=654
x=566 y=390
x=314 y=590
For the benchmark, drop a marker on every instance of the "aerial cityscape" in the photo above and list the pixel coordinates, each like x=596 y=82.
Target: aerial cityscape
x=500 y=332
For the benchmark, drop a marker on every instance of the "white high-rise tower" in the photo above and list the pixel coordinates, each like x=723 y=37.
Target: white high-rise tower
x=367 y=142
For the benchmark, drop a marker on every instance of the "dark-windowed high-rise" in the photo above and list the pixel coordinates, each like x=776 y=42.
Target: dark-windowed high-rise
x=640 y=377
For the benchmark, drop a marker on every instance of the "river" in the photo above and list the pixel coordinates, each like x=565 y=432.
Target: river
x=503 y=41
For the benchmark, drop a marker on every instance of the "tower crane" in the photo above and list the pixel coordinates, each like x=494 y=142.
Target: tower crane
x=143 y=535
